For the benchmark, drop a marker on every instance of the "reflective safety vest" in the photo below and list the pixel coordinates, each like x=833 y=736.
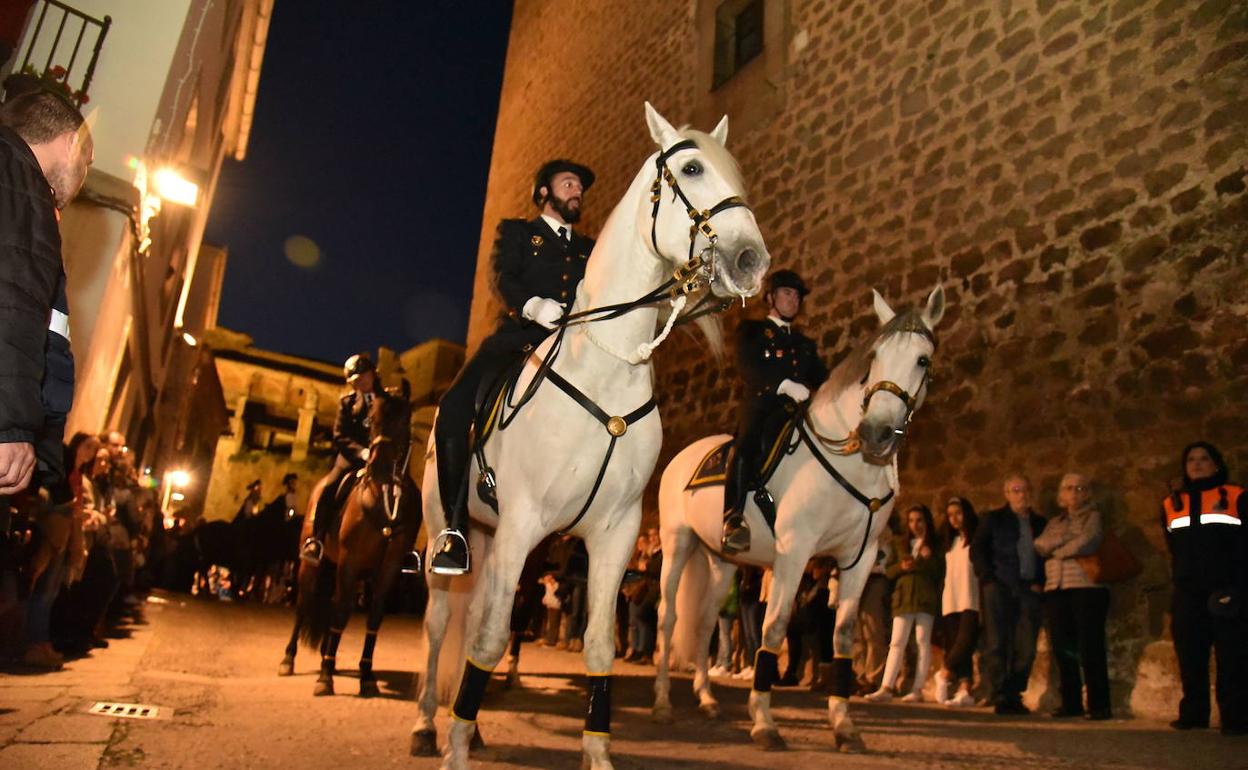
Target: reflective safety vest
x=1219 y=505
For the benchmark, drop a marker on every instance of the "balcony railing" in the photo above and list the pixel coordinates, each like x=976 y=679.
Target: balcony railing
x=55 y=47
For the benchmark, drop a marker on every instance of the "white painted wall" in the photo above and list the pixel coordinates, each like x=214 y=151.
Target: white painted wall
x=129 y=77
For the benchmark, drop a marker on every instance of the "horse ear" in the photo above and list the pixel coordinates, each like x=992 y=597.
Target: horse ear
x=935 y=309
x=660 y=130
x=882 y=310
x=720 y=134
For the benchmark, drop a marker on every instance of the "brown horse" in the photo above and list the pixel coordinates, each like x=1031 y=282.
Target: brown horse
x=379 y=521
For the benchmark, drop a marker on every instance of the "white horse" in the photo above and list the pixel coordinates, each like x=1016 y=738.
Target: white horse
x=817 y=513
x=564 y=467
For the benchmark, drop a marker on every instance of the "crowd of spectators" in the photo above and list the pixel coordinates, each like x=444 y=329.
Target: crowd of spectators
x=74 y=573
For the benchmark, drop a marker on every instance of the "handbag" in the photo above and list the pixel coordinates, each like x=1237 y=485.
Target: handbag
x=1112 y=562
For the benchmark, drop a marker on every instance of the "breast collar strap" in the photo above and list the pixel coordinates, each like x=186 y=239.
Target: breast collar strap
x=872 y=504
x=615 y=426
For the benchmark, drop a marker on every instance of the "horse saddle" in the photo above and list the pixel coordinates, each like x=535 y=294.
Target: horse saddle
x=713 y=468
x=489 y=407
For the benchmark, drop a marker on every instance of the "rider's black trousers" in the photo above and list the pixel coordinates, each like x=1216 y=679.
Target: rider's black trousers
x=759 y=423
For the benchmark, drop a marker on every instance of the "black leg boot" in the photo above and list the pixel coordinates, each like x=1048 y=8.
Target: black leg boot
x=450 y=550
x=736 y=537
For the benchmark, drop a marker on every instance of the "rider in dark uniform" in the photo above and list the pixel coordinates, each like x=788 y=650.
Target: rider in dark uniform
x=351 y=439
x=538 y=264
x=781 y=368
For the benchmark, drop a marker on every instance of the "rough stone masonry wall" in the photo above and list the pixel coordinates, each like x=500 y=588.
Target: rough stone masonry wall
x=1073 y=173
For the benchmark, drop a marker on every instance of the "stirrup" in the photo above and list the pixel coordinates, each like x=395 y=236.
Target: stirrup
x=444 y=547
x=736 y=536
x=411 y=564
x=312 y=551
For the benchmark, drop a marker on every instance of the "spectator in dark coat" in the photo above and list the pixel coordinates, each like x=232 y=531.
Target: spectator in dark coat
x=1011 y=575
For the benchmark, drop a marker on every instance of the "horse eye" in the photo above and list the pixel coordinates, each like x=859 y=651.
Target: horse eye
x=924 y=361
x=692 y=168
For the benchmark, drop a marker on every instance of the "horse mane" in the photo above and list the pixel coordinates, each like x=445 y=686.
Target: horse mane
x=853 y=368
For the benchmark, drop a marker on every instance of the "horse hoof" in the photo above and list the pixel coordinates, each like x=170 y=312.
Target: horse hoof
x=769 y=740
x=368 y=688
x=709 y=710
x=477 y=743
x=425 y=744
x=286 y=667
x=323 y=687
x=850 y=744
x=661 y=714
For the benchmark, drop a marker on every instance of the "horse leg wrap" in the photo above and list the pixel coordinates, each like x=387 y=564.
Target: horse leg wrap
x=471 y=692
x=598 y=718
x=842 y=677
x=515 y=645
x=766 y=669
x=370 y=643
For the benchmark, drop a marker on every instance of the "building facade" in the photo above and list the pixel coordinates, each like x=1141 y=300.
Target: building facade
x=1073 y=174
x=170 y=87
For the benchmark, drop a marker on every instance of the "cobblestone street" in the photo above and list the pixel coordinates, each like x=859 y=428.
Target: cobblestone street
x=214 y=666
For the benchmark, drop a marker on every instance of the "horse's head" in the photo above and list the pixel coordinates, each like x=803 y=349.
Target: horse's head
x=390 y=435
x=897 y=377
x=699 y=222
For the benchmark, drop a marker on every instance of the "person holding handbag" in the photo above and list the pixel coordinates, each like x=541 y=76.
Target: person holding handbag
x=1203 y=523
x=1075 y=607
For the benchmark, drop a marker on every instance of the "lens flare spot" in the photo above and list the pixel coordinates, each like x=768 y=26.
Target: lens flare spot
x=302 y=251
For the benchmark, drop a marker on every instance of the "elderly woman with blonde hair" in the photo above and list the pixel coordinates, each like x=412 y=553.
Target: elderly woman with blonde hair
x=1075 y=607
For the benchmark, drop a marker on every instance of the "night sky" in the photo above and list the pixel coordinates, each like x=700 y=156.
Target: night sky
x=372 y=140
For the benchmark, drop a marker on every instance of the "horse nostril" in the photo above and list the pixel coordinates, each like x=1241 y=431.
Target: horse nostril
x=748 y=260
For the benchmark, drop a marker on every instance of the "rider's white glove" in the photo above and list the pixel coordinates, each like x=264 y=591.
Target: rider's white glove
x=544 y=311
x=364 y=453
x=794 y=390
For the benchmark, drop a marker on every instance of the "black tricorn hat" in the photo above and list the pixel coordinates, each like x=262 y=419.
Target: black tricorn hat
x=552 y=167
x=787 y=279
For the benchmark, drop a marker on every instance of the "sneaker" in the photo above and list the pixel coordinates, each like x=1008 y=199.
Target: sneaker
x=745 y=673
x=914 y=696
x=717 y=671
x=882 y=695
x=942 y=688
x=962 y=700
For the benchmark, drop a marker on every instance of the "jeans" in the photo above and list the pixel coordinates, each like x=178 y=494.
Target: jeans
x=752 y=614
x=1011 y=624
x=961 y=631
x=921 y=623
x=873 y=623
x=39 y=605
x=724 y=658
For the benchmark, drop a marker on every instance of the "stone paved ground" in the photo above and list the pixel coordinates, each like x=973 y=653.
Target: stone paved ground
x=215 y=664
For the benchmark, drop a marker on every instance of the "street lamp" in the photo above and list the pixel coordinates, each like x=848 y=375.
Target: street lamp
x=175 y=483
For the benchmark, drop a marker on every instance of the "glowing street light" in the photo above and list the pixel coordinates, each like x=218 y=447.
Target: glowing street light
x=173 y=187
x=179 y=479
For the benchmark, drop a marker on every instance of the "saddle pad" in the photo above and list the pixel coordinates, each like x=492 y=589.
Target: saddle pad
x=713 y=468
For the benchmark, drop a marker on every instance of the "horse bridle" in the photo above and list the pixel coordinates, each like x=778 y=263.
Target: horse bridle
x=696 y=271
x=392 y=488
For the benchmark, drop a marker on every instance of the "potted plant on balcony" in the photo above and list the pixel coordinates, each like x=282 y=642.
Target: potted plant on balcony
x=54 y=79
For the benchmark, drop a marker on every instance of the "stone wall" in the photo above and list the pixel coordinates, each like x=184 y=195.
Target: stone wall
x=1073 y=173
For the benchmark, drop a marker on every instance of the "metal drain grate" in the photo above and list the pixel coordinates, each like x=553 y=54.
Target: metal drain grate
x=129 y=710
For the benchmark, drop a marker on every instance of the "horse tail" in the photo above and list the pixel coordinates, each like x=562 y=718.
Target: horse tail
x=676 y=513
x=315 y=608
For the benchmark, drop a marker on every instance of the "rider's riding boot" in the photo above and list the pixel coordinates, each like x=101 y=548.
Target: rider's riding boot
x=313 y=549
x=736 y=537
x=450 y=550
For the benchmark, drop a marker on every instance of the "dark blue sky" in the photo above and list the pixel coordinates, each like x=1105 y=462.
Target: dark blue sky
x=372 y=137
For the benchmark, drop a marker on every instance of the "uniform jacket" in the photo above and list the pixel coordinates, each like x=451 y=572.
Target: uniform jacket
x=768 y=354
x=530 y=260
x=994 y=551
x=1208 y=551
x=351 y=428
x=36 y=366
